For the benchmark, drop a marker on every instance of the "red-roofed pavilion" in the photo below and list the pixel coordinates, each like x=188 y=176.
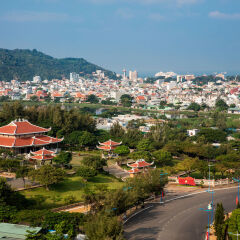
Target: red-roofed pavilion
x=108 y=145
x=139 y=166
x=41 y=156
x=22 y=137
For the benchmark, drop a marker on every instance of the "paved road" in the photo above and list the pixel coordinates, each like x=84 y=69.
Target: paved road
x=177 y=220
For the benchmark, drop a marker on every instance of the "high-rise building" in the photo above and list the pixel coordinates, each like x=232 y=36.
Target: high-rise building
x=74 y=77
x=133 y=75
x=124 y=74
x=179 y=78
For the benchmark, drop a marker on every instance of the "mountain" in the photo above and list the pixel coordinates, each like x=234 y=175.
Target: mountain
x=23 y=64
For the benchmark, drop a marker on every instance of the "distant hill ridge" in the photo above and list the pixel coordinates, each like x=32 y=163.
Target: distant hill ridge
x=23 y=64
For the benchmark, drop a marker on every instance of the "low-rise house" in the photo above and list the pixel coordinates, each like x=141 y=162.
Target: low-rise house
x=192 y=132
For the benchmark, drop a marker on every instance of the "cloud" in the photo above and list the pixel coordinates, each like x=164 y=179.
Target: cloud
x=156 y=17
x=125 y=13
x=220 y=15
x=30 y=16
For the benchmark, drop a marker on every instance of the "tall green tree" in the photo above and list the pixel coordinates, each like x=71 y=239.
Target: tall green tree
x=219 y=221
x=63 y=158
x=47 y=175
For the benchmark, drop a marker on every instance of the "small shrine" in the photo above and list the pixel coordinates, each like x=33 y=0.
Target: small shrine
x=139 y=166
x=41 y=156
x=109 y=146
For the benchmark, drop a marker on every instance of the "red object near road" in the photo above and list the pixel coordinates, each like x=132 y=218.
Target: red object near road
x=187 y=181
x=236 y=200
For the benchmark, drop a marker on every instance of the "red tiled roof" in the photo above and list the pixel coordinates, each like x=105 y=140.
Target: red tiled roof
x=21 y=127
x=7 y=142
x=30 y=141
x=134 y=170
x=43 y=151
x=140 y=164
x=38 y=157
x=110 y=143
x=108 y=148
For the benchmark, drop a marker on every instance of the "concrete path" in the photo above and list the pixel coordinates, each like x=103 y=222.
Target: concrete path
x=115 y=170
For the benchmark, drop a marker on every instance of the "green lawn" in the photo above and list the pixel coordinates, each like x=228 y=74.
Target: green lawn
x=78 y=156
x=72 y=186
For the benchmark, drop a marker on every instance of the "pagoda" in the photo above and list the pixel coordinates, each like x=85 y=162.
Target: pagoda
x=41 y=156
x=109 y=145
x=139 y=166
x=20 y=136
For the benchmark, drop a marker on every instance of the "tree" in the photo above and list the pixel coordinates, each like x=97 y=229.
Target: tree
x=86 y=172
x=95 y=162
x=34 y=98
x=144 y=145
x=188 y=164
x=22 y=172
x=63 y=158
x=122 y=150
x=33 y=235
x=219 y=221
x=9 y=164
x=221 y=105
x=194 y=106
x=212 y=135
x=103 y=227
x=126 y=100
x=87 y=139
x=162 y=158
x=47 y=175
x=116 y=131
x=132 y=137
x=92 y=98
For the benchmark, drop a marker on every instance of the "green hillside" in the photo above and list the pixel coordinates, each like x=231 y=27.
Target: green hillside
x=23 y=64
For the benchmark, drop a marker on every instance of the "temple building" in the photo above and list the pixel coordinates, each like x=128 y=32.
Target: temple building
x=109 y=145
x=139 y=166
x=41 y=156
x=21 y=136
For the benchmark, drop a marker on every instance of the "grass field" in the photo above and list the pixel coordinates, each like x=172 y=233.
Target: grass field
x=78 y=156
x=70 y=187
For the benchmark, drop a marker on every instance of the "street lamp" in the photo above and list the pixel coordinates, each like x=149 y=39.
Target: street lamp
x=209 y=190
x=208 y=210
x=162 y=174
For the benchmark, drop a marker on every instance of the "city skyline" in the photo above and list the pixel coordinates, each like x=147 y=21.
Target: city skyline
x=148 y=35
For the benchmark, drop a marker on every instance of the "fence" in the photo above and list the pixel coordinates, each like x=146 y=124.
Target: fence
x=205 y=182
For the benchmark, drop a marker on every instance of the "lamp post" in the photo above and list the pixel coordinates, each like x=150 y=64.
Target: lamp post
x=238 y=181
x=208 y=210
x=210 y=191
x=162 y=174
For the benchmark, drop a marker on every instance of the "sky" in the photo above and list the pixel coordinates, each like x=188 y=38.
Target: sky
x=185 y=36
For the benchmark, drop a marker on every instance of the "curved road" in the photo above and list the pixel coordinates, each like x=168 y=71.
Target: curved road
x=179 y=219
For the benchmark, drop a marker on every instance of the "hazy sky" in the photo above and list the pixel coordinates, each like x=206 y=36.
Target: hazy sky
x=146 y=35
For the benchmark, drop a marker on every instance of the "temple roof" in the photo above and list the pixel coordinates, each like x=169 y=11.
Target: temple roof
x=140 y=164
x=107 y=148
x=43 y=151
x=12 y=142
x=110 y=143
x=43 y=157
x=134 y=170
x=21 y=127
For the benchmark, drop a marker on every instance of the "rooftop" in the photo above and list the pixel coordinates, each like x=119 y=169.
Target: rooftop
x=14 y=231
